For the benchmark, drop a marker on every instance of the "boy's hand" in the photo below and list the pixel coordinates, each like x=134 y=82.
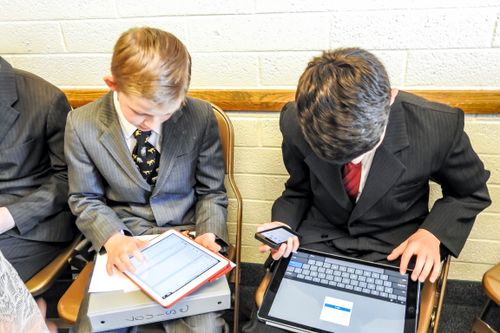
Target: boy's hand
x=285 y=249
x=208 y=240
x=119 y=247
x=425 y=246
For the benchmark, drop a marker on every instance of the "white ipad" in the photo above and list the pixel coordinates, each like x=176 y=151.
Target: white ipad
x=175 y=266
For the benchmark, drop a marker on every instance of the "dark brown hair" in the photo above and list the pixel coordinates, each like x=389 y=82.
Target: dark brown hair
x=343 y=99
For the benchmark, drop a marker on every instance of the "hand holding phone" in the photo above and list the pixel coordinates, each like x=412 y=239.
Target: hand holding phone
x=274 y=237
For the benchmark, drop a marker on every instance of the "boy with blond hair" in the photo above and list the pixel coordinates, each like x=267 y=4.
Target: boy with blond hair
x=145 y=158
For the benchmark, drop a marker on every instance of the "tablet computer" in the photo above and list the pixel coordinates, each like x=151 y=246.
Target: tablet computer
x=312 y=291
x=175 y=266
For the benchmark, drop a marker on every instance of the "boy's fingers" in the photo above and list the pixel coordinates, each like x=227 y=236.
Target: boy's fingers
x=429 y=263
x=109 y=267
x=419 y=265
x=263 y=248
x=296 y=243
x=405 y=260
x=141 y=243
x=288 y=247
x=126 y=263
x=279 y=253
x=138 y=255
x=436 y=270
x=396 y=252
x=212 y=246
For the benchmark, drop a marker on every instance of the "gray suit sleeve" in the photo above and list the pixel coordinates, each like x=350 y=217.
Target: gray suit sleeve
x=95 y=219
x=49 y=198
x=211 y=205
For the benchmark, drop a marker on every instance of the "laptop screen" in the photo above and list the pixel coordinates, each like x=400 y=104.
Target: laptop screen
x=313 y=291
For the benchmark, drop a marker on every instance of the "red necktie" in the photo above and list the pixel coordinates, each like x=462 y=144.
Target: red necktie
x=351 y=176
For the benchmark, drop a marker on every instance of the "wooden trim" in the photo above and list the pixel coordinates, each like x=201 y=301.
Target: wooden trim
x=471 y=101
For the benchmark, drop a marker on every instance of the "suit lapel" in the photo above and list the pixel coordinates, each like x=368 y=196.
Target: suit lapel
x=8 y=96
x=113 y=141
x=385 y=170
x=171 y=145
x=330 y=176
x=386 y=167
x=9 y=116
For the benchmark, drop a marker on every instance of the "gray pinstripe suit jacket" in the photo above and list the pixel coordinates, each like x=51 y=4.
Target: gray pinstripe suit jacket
x=108 y=194
x=424 y=141
x=33 y=172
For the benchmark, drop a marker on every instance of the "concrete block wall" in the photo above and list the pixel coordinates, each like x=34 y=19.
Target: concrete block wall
x=261 y=44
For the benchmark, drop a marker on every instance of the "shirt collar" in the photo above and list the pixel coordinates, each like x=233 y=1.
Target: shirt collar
x=127 y=128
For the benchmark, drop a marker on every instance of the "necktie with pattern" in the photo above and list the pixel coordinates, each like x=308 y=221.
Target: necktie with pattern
x=351 y=176
x=146 y=156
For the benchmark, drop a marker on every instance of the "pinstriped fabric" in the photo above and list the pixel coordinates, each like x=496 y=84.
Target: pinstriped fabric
x=33 y=176
x=108 y=194
x=424 y=142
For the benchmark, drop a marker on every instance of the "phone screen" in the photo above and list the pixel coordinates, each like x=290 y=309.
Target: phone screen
x=278 y=235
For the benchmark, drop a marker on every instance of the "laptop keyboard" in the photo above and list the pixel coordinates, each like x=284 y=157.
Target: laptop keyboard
x=351 y=277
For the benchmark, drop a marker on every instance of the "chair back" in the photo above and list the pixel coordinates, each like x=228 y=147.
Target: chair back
x=226 y=133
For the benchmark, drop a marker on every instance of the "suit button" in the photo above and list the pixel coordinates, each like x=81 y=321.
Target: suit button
x=324 y=235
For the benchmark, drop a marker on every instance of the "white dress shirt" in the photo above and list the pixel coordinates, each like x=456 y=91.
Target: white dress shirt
x=128 y=129
x=6 y=220
x=366 y=164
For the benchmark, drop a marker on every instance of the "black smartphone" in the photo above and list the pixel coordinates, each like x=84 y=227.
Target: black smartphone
x=276 y=236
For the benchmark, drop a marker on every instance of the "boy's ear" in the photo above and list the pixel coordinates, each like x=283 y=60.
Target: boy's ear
x=110 y=82
x=394 y=93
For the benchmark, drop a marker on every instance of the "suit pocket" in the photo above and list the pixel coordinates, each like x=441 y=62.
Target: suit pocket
x=182 y=175
x=410 y=192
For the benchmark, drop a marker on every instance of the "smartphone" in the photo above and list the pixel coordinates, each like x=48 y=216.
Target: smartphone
x=276 y=236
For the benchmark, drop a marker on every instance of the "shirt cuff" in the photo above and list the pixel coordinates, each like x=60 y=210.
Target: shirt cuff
x=6 y=220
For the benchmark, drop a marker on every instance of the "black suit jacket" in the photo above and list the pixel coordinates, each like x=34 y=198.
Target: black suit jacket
x=33 y=172
x=424 y=141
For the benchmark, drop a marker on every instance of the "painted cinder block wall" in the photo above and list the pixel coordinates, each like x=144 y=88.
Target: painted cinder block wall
x=261 y=44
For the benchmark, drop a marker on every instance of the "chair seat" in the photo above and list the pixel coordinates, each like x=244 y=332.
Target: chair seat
x=491 y=283
x=69 y=304
x=44 y=279
x=491 y=286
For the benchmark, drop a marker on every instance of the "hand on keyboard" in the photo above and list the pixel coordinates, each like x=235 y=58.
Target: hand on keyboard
x=285 y=249
x=425 y=246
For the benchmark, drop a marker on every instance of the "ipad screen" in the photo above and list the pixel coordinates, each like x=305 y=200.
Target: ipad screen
x=171 y=264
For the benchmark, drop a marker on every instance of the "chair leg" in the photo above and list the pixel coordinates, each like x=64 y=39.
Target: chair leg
x=479 y=326
x=442 y=289
x=236 y=308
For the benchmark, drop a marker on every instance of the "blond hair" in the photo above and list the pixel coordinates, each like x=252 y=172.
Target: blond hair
x=151 y=63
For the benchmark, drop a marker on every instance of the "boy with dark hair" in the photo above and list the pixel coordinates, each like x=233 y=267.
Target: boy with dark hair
x=360 y=157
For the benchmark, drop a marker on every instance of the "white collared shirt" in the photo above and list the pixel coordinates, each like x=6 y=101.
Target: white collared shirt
x=128 y=129
x=366 y=164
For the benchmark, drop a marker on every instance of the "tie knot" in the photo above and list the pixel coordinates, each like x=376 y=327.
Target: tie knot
x=348 y=167
x=142 y=136
x=351 y=176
